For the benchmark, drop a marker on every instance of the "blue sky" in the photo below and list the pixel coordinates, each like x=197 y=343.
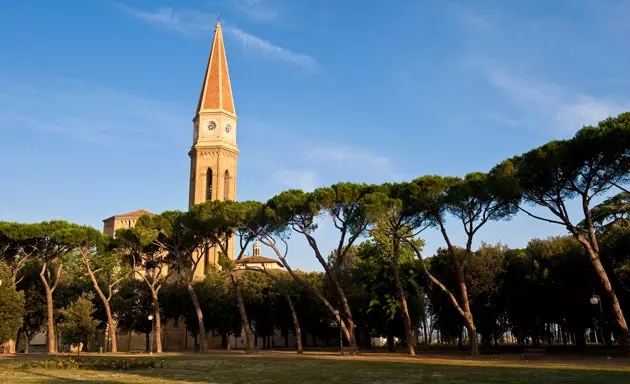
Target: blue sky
x=97 y=97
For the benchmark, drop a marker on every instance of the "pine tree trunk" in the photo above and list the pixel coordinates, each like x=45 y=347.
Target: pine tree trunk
x=158 y=324
x=108 y=310
x=202 y=328
x=296 y=324
x=620 y=320
x=26 y=342
x=425 y=330
x=50 y=321
x=410 y=335
x=468 y=317
x=472 y=337
x=241 y=309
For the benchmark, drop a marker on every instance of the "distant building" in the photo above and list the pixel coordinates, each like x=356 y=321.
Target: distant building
x=125 y=220
x=256 y=260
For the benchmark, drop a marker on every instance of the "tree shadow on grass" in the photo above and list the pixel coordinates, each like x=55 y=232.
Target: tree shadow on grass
x=53 y=379
x=305 y=370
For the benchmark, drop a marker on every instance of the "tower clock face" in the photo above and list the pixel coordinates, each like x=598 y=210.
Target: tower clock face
x=211 y=126
x=228 y=129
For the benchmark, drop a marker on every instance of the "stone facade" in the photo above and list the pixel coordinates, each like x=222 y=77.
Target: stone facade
x=125 y=220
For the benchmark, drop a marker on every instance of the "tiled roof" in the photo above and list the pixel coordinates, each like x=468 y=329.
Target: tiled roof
x=258 y=260
x=137 y=213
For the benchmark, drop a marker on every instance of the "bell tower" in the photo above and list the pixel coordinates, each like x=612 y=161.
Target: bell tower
x=214 y=154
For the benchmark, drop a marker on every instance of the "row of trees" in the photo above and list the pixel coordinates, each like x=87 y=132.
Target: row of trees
x=540 y=294
x=587 y=167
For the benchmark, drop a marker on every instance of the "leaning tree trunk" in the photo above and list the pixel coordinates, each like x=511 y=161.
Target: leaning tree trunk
x=158 y=323
x=620 y=320
x=296 y=324
x=411 y=338
x=202 y=328
x=468 y=317
x=241 y=309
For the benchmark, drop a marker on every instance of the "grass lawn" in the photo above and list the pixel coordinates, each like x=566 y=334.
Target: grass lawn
x=265 y=368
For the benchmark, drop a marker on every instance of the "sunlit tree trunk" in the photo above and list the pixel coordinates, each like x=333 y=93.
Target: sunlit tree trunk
x=410 y=335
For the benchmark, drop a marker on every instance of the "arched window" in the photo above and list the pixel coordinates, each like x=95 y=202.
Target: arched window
x=226 y=184
x=209 y=184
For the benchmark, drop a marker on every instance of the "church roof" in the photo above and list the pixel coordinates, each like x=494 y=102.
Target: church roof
x=258 y=260
x=216 y=91
x=137 y=213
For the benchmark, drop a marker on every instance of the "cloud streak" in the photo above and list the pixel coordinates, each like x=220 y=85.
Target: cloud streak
x=257 y=10
x=268 y=49
x=86 y=112
x=187 y=23
x=566 y=109
x=326 y=165
x=470 y=18
x=195 y=23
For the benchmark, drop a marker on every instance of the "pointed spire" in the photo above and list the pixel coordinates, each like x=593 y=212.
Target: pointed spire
x=216 y=91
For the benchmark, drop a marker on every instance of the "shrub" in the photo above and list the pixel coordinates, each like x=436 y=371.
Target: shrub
x=95 y=364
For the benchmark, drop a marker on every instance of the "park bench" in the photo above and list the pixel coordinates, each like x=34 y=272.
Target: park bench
x=349 y=351
x=533 y=352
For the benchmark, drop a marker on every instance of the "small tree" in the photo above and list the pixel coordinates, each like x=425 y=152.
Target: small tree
x=11 y=305
x=77 y=323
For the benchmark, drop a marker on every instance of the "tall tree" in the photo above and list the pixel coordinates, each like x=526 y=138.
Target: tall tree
x=91 y=245
x=42 y=244
x=221 y=221
x=293 y=211
x=474 y=201
x=389 y=210
x=589 y=165
x=180 y=236
x=343 y=204
x=148 y=261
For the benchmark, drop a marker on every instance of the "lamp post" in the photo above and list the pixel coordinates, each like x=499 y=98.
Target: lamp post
x=150 y=317
x=595 y=299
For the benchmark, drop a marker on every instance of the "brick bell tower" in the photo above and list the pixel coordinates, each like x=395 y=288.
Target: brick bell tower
x=214 y=154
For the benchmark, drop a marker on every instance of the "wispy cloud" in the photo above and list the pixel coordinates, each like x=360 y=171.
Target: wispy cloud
x=183 y=22
x=257 y=10
x=268 y=49
x=192 y=23
x=564 y=108
x=469 y=18
x=346 y=156
x=304 y=179
x=326 y=165
x=86 y=112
